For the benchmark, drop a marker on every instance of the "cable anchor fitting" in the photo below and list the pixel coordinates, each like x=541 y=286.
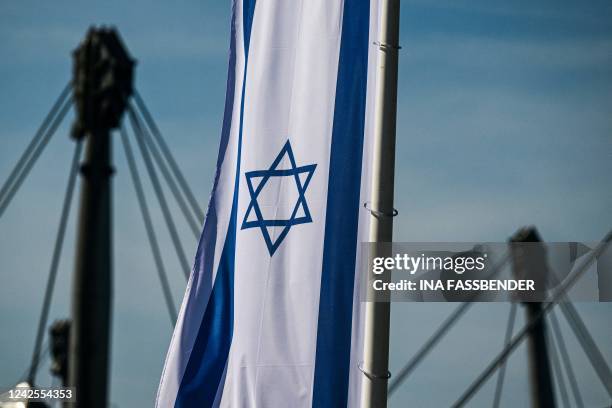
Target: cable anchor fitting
x=386 y=46
x=373 y=376
x=378 y=214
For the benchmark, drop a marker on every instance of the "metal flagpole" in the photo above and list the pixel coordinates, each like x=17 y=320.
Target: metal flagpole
x=376 y=353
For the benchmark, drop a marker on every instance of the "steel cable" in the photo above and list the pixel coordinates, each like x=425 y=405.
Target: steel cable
x=144 y=209
x=28 y=159
x=44 y=355
x=136 y=127
x=546 y=307
x=193 y=223
x=558 y=372
x=502 y=370
x=37 y=136
x=566 y=360
x=57 y=252
x=588 y=345
x=168 y=155
x=405 y=371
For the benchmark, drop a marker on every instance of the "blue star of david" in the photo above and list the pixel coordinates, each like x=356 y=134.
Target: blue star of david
x=265 y=175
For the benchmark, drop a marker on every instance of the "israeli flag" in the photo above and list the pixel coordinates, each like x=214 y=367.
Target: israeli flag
x=272 y=315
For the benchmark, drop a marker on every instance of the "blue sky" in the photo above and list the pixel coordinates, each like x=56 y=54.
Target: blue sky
x=503 y=120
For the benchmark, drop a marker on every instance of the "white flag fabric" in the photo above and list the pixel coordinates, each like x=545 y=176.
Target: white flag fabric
x=272 y=315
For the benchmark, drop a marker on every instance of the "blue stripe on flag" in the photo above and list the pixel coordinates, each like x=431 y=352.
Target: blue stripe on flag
x=338 y=273
x=204 y=371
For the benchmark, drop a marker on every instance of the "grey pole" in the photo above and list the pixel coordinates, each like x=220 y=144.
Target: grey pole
x=529 y=260
x=102 y=86
x=377 y=319
x=540 y=378
x=92 y=291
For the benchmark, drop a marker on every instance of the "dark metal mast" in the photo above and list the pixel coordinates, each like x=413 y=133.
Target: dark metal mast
x=529 y=261
x=102 y=83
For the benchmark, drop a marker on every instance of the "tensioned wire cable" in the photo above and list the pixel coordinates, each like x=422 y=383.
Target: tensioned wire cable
x=35 y=148
x=44 y=355
x=566 y=360
x=546 y=307
x=435 y=338
x=57 y=252
x=144 y=209
x=588 y=345
x=168 y=155
x=556 y=368
x=35 y=140
x=502 y=370
x=137 y=129
x=193 y=223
